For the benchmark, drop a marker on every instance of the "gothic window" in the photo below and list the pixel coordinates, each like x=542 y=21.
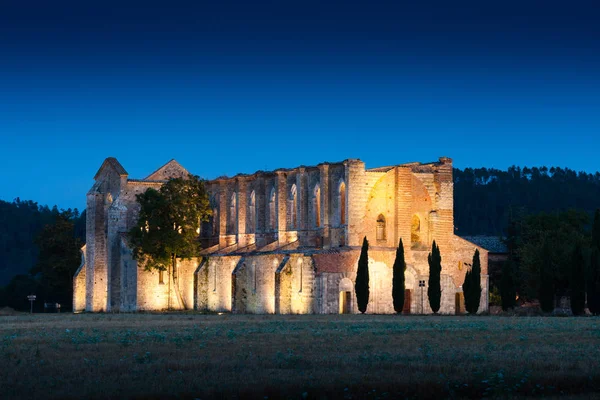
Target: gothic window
x=415 y=229
x=317 y=206
x=342 y=203
x=215 y=221
x=272 y=214
x=293 y=208
x=232 y=225
x=381 y=227
x=251 y=220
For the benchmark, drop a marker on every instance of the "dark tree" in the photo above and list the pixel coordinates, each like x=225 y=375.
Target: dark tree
x=472 y=285
x=59 y=258
x=361 y=287
x=398 y=284
x=508 y=290
x=168 y=225
x=434 y=291
x=546 y=295
x=578 y=282
x=593 y=276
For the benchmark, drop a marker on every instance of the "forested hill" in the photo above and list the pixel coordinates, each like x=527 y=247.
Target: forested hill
x=20 y=223
x=484 y=197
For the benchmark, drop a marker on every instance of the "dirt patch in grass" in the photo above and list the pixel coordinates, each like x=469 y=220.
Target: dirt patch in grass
x=348 y=356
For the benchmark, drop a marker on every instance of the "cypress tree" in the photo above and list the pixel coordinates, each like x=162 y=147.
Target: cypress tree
x=593 y=278
x=546 y=281
x=398 y=284
x=578 y=281
x=472 y=285
x=434 y=291
x=361 y=287
x=508 y=291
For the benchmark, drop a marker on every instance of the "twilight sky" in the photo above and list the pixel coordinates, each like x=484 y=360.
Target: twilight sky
x=227 y=87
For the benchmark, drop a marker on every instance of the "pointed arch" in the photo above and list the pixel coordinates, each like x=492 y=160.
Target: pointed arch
x=342 y=202
x=251 y=216
x=272 y=214
x=293 y=207
x=232 y=221
x=317 y=206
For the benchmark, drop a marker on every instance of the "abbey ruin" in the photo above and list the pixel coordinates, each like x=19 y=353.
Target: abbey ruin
x=283 y=242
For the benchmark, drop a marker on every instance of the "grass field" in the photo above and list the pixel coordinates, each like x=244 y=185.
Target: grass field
x=346 y=356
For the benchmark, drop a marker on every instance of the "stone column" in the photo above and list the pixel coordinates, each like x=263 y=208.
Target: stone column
x=222 y=213
x=303 y=196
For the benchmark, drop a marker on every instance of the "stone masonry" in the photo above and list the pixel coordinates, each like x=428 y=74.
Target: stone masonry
x=284 y=242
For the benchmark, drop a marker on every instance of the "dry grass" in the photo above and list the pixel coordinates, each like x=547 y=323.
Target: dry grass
x=353 y=356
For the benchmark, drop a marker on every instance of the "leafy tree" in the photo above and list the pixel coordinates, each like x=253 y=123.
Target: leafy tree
x=593 y=277
x=168 y=224
x=507 y=285
x=434 y=290
x=472 y=285
x=578 y=282
x=546 y=295
x=361 y=286
x=398 y=284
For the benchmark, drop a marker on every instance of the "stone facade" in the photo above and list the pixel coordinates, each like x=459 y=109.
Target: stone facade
x=285 y=241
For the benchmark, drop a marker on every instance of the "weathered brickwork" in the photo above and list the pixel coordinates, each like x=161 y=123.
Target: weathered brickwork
x=285 y=242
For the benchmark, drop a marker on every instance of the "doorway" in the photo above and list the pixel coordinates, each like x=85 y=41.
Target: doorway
x=459 y=303
x=407 y=301
x=345 y=302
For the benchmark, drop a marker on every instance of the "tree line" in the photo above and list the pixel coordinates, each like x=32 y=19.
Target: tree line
x=551 y=256
x=484 y=198
x=39 y=253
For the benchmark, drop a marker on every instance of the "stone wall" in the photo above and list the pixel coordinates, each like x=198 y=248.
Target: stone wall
x=253 y=284
x=79 y=285
x=213 y=283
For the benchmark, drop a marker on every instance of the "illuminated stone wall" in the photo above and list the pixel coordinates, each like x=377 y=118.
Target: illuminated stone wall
x=212 y=283
x=285 y=241
x=79 y=285
x=254 y=284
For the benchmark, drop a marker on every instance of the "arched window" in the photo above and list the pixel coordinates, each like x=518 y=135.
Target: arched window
x=317 y=206
x=215 y=221
x=272 y=214
x=251 y=218
x=415 y=229
x=381 y=227
x=232 y=225
x=342 y=203
x=293 y=208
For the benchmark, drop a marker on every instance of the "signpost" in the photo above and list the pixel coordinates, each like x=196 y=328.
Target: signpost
x=31 y=299
x=422 y=285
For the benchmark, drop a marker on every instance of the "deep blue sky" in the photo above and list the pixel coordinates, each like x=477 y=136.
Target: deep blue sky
x=250 y=85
